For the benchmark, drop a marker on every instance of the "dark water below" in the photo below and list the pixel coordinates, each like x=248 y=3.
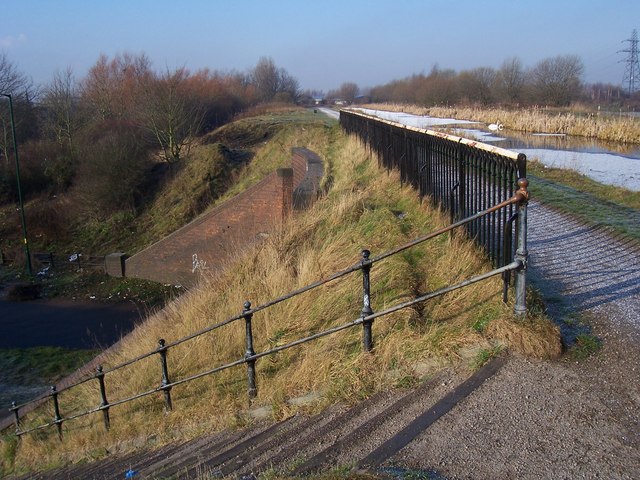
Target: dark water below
x=57 y=323
x=64 y=323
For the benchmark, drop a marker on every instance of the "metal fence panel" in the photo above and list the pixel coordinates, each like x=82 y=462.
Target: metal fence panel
x=458 y=175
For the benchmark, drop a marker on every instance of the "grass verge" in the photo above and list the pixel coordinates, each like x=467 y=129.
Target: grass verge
x=24 y=372
x=614 y=208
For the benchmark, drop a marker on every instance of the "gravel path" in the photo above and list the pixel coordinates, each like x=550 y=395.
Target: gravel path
x=558 y=419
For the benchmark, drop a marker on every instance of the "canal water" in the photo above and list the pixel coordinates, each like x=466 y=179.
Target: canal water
x=604 y=162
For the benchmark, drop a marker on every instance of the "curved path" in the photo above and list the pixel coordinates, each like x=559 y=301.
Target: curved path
x=556 y=419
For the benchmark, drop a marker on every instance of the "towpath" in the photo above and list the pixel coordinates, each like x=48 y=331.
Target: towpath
x=556 y=419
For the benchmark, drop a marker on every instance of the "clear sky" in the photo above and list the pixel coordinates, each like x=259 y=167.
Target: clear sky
x=322 y=43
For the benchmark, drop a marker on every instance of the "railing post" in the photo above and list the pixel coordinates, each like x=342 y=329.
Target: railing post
x=452 y=212
x=56 y=411
x=104 y=403
x=367 y=336
x=250 y=352
x=462 y=190
x=522 y=254
x=162 y=350
x=16 y=416
x=507 y=248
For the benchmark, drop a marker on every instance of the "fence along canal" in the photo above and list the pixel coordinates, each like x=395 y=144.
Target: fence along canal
x=455 y=173
x=459 y=175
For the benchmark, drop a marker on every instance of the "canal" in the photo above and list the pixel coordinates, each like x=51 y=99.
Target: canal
x=605 y=162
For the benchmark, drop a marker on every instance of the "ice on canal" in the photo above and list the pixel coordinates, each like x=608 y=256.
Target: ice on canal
x=607 y=168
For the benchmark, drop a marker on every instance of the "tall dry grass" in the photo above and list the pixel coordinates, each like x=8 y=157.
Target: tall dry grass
x=624 y=129
x=365 y=208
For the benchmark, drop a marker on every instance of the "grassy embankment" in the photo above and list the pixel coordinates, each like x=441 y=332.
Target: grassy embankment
x=613 y=208
x=364 y=207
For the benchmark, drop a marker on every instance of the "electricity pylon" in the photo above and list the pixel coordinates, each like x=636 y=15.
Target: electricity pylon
x=632 y=69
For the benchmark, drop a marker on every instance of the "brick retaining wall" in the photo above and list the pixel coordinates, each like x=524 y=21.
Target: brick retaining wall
x=215 y=236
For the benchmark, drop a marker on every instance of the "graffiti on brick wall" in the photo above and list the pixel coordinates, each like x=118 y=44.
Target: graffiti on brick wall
x=197 y=264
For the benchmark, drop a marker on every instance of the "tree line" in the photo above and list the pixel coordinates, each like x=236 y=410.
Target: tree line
x=554 y=81
x=100 y=134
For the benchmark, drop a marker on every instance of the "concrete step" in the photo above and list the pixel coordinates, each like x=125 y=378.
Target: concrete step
x=362 y=436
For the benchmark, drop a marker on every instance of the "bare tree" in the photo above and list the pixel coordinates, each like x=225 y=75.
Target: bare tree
x=271 y=81
x=111 y=87
x=349 y=91
x=172 y=113
x=19 y=86
x=475 y=85
x=557 y=81
x=265 y=77
x=61 y=98
x=288 y=87
x=510 y=80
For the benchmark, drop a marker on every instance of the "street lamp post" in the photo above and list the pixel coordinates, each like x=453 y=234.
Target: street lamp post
x=15 y=152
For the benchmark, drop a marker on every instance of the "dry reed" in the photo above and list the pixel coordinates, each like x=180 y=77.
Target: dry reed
x=612 y=128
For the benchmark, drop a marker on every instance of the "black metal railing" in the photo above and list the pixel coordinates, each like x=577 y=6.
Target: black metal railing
x=459 y=175
x=166 y=383
x=48 y=262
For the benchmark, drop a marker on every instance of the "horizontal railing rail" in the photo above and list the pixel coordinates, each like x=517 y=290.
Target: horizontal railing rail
x=459 y=175
x=166 y=384
x=49 y=262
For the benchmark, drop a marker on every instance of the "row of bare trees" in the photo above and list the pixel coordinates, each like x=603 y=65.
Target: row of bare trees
x=553 y=81
x=101 y=133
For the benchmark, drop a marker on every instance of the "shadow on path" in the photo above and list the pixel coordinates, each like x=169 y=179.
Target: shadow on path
x=581 y=268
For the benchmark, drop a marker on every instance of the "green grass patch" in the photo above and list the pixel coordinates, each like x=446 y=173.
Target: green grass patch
x=40 y=365
x=616 y=209
x=586 y=345
x=98 y=286
x=484 y=356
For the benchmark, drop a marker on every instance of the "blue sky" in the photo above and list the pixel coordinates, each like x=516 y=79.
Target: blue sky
x=321 y=43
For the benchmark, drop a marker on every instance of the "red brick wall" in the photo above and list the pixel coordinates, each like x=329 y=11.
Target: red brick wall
x=216 y=235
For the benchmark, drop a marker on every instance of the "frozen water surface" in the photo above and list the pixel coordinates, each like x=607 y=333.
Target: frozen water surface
x=607 y=168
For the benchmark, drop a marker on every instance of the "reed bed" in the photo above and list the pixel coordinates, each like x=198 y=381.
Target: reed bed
x=612 y=128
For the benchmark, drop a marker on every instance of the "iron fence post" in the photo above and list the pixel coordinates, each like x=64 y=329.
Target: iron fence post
x=461 y=181
x=367 y=336
x=452 y=211
x=250 y=352
x=57 y=419
x=522 y=254
x=104 y=403
x=16 y=416
x=162 y=351
x=507 y=248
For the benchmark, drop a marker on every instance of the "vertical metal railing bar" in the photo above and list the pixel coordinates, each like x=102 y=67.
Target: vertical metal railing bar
x=104 y=403
x=507 y=254
x=252 y=390
x=57 y=417
x=162 y=352
x=493 y=237
x=440 y=162
x=367 y=335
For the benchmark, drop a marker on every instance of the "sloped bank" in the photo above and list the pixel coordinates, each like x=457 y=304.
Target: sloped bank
x=366 y=208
